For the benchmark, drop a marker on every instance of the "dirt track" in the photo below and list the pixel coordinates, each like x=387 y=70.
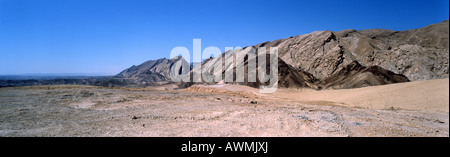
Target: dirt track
x=224 y=110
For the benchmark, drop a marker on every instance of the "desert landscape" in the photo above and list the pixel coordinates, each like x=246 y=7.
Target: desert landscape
x=406 y=109
x=349 y=83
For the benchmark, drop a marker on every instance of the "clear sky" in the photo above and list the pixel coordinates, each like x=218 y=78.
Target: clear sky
x=107 y=36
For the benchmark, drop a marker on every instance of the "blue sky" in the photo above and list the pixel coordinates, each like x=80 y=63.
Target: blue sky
x=107 y=36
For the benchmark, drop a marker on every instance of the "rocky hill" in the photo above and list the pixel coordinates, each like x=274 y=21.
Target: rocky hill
x=352 y=59
x=322 y=59
x=419 y=54
x=355 y=75
x=149 y=72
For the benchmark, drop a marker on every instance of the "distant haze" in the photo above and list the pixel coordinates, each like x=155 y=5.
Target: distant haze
x=61 y=74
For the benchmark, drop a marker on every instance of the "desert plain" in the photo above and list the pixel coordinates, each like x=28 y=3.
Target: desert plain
x=419 y=108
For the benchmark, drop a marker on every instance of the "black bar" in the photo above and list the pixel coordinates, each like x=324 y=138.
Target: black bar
x=275 y=146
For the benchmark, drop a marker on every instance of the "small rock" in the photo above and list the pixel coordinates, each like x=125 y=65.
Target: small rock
x=253 y=102
x=134 y=118
x=438 y=121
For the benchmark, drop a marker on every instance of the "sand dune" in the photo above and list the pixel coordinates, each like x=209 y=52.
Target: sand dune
x=429 y=95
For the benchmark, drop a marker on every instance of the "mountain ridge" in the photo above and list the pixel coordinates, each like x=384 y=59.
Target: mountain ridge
x=323 y=59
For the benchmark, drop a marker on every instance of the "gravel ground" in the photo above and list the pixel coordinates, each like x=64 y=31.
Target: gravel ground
x=98 y=111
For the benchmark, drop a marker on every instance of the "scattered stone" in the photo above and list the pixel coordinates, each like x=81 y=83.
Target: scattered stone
x=392 y=108
x=438 y=121
x=123 y=100
x=253 y=102
x=302 y=117
x=134 y=118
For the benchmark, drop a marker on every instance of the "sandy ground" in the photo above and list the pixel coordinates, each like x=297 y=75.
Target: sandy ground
x=431 y=95
x=408 y=109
